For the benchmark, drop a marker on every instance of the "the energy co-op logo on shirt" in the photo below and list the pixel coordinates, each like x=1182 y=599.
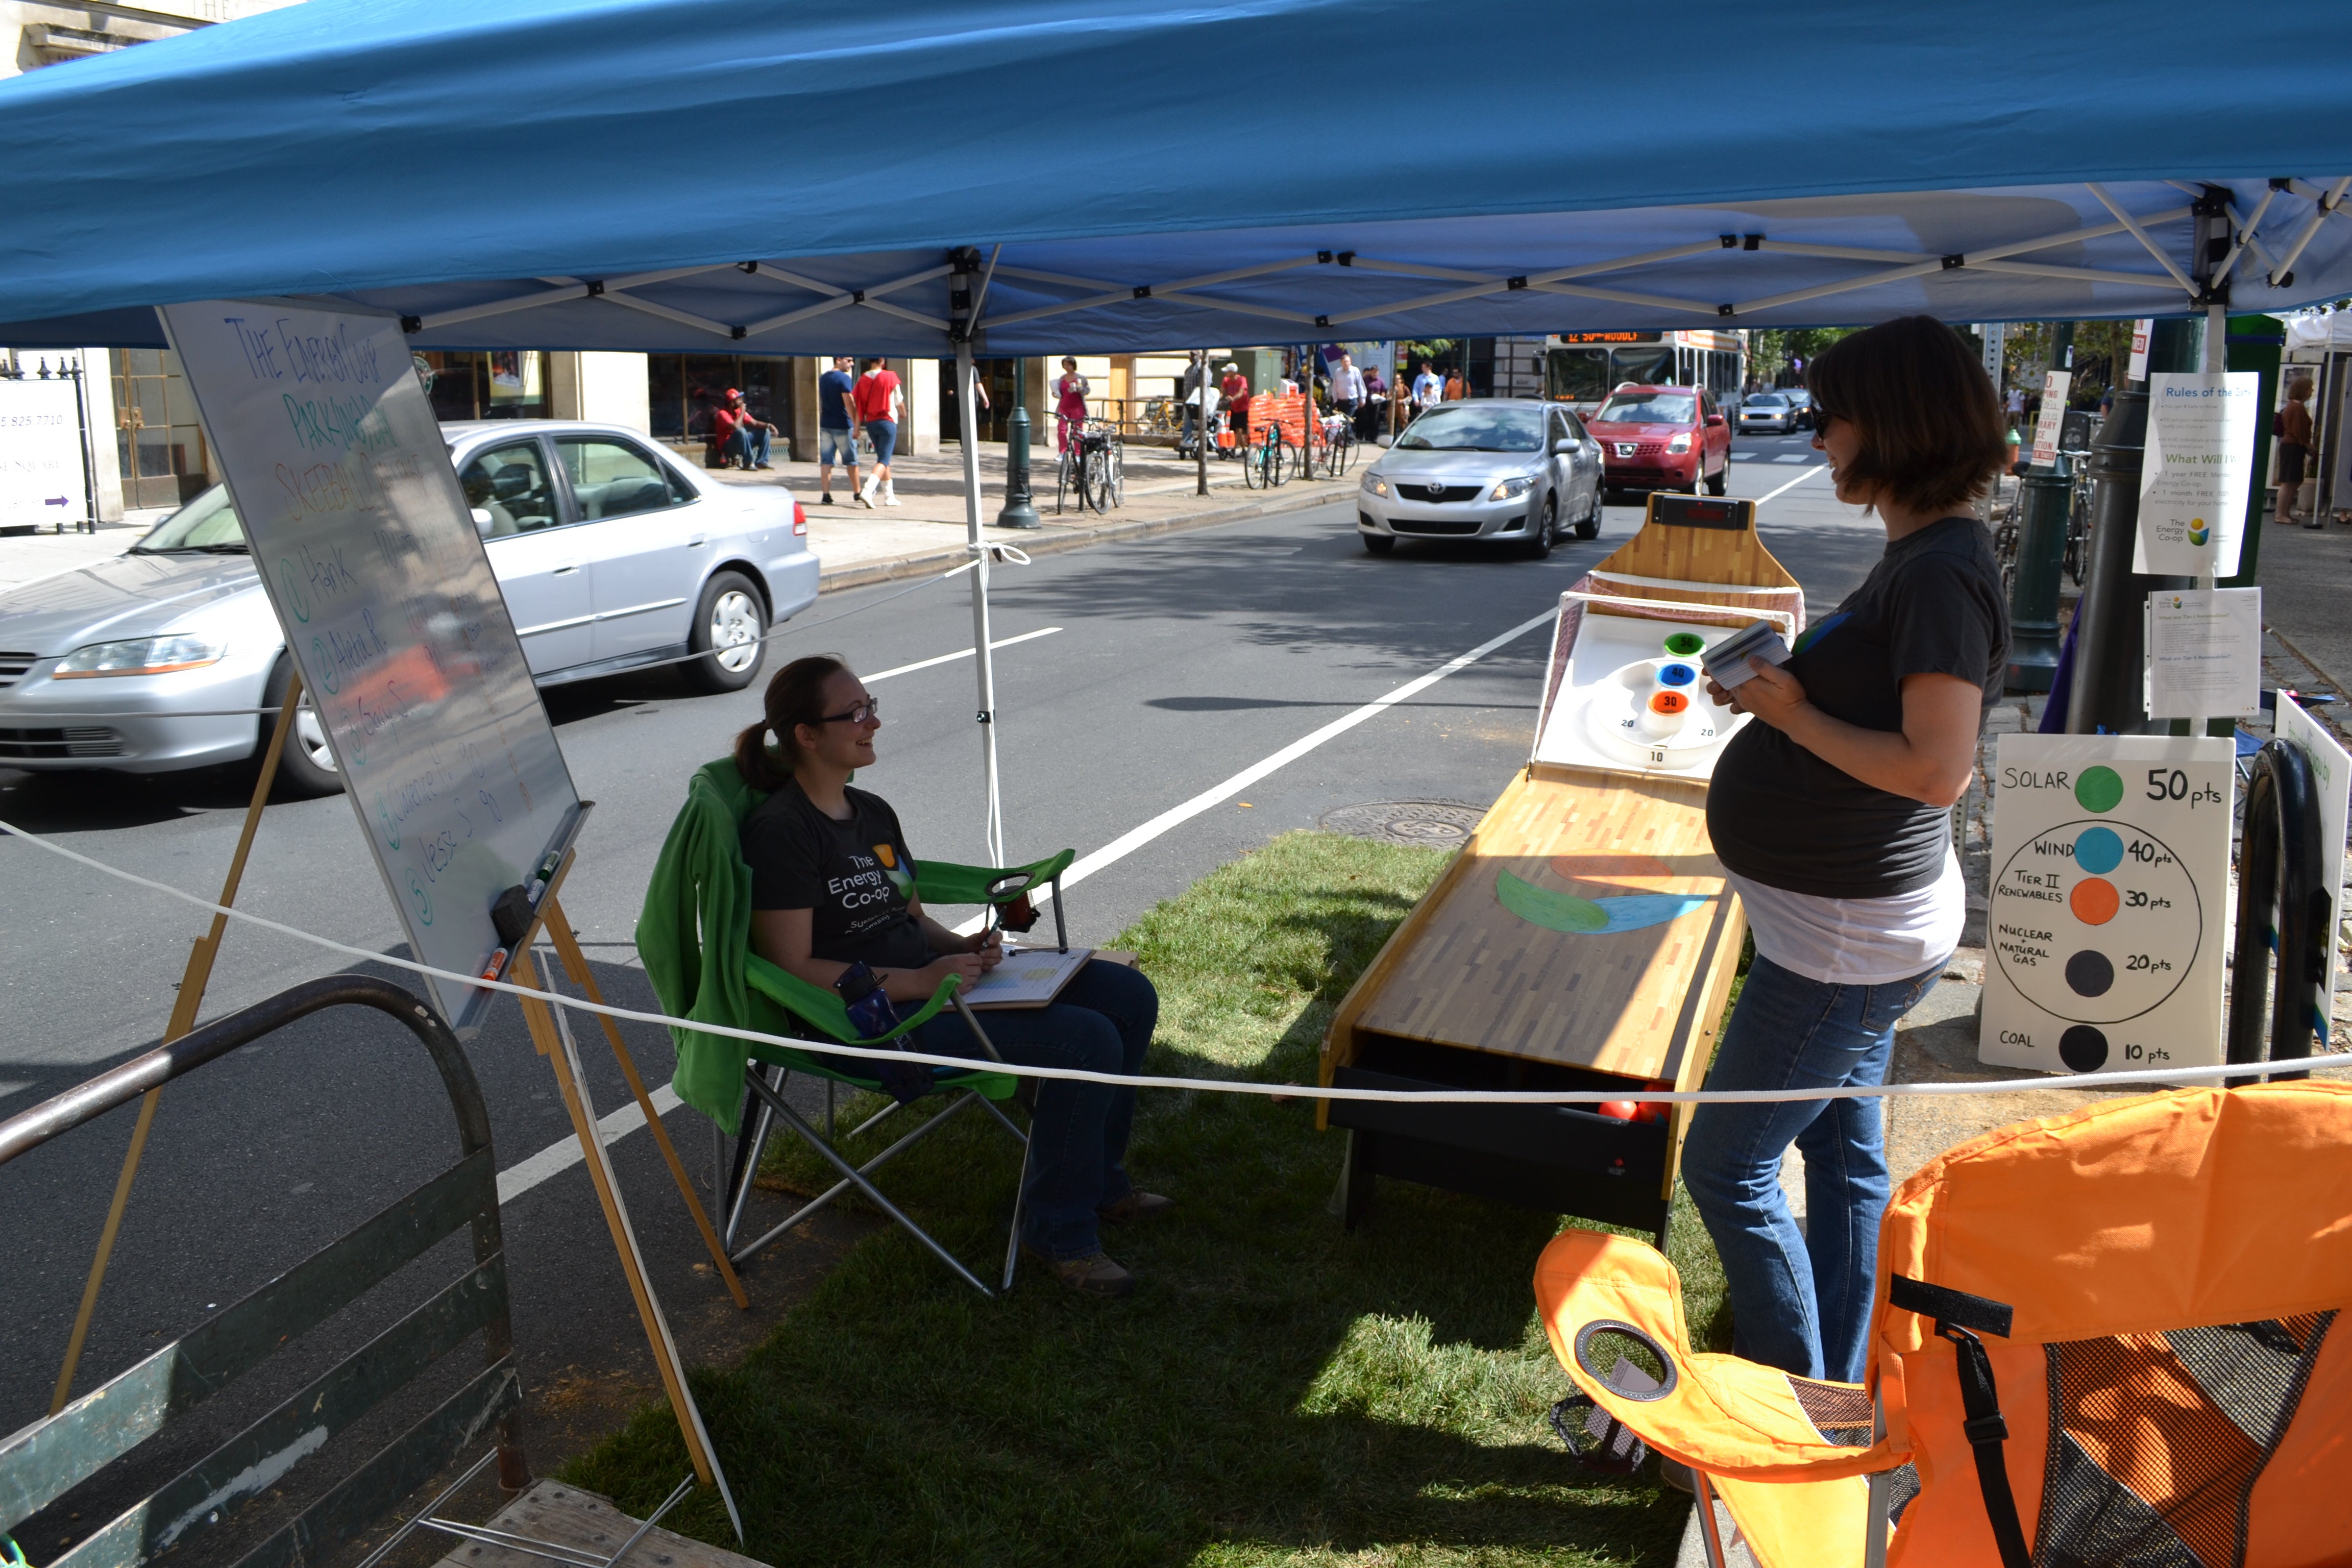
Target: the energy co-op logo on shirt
x=873 y=881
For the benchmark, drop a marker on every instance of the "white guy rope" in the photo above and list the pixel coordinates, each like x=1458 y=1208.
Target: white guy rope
x=1215 y=1086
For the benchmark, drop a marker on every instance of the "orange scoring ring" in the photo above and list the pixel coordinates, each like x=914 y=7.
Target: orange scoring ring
x=1668 y=702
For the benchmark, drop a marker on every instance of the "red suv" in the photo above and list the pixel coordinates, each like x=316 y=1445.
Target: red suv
x=1663 y=438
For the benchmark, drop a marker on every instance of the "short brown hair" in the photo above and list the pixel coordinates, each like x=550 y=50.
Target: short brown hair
x=1931 y=427
x=795 y=696
x=2299 y=388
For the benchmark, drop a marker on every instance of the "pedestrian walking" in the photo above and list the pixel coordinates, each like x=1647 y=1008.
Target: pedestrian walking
x=1376 y=398
x=1199 y=395
x=1070 y=391
x=2015 y=407
x=878 y=400
x=1427 y=390
x=2293 y=429
x=1348 y=387
x=836 y=425
x=1456 y=389
x=740 y=437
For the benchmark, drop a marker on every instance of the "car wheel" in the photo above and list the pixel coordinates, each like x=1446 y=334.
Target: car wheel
x=1378 y=543
x=1589 y=526
x=730 y=622
x=1538 y=541
x=306 y=769
x=1717 y=480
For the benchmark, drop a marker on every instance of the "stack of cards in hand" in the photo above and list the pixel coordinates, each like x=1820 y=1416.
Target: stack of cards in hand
x=1726 y=662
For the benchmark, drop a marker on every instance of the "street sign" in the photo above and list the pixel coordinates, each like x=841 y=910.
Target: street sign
x=2052 y=419
x=2140 y=331
x=2110 y=908
x=2192 y=484
x=40 y=455
x=370 y=554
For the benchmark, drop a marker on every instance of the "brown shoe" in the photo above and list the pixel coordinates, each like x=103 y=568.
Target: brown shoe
x=1137 y=1205
x=1093 y=1275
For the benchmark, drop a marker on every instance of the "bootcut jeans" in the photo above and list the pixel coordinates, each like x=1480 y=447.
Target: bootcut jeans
x=1101 y=1022
x=1800 y=1301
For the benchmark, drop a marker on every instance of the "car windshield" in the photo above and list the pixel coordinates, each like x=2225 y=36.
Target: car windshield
x=1468 y=429
x=1649 y=408
x=1765 y=400
x=207 y=524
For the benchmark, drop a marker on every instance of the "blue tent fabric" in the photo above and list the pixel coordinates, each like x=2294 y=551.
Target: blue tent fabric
x=1408 y=163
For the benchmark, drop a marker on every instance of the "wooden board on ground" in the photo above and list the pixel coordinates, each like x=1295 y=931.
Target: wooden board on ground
x=564 y=1515
x=1575 y=926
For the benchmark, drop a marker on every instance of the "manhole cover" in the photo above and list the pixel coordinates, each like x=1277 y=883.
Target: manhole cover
x=1436 y=824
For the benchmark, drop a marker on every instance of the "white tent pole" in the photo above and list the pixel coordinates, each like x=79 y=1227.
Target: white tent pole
x=968 y=432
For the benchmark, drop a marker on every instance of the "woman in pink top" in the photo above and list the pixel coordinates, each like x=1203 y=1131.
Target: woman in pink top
x=1070 y=405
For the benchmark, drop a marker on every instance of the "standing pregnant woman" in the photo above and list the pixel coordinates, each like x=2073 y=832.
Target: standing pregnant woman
x=1832 y=815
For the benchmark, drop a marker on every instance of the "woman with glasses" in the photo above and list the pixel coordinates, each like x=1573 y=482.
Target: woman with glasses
x=833 y=886
x=1832 y=815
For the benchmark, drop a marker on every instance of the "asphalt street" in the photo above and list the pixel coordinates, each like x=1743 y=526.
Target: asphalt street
x=1168 y=667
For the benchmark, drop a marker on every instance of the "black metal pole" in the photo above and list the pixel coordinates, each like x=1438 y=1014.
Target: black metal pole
x=2045 y=496
x=1020 y=510
x=2109 y=693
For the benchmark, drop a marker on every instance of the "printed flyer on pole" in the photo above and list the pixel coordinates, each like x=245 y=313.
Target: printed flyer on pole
x=2192 y=483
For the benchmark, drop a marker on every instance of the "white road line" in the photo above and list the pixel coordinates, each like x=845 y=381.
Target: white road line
x=558 y=1157
x=1792 y=484
x=1788 y=458
x=962 y=653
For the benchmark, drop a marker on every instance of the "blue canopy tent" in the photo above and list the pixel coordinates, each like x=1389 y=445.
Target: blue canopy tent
x=1025 y=176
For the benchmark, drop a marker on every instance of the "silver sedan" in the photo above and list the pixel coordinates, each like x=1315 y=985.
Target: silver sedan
x=1770 y=411
x=610 y=555
x=1517 y=470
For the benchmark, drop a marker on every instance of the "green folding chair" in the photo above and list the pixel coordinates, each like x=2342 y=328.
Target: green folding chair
x=702 y=865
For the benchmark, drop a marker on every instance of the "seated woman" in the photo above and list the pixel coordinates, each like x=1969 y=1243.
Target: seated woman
x=833 y=885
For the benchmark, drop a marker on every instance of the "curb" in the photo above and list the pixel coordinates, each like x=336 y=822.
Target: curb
x=867 y=573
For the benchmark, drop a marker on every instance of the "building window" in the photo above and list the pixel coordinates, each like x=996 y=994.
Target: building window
x=158 y=440
x=498 y=384
x=686 y=389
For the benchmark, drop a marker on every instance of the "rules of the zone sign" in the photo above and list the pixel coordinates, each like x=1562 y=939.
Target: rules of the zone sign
x=2109 y=902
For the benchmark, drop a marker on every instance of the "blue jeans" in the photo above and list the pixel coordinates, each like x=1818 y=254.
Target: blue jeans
x=1800 y=1301
x=1102 y=1021
x=884 y=434
x=749 y=442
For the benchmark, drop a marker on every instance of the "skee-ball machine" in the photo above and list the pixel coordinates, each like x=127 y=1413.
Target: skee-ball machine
x=1583 y=938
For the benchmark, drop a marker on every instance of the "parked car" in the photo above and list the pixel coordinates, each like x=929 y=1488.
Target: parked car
x=1802 y=402
x=1664 y=438
x=1508 y=469
x=609 y=551
x=1768 y=411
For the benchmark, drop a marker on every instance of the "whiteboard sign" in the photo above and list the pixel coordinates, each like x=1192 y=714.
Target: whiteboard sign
x=2192 y=482
x=370 y=557
x=40 y=455
x=2110 y=907
x=2331 y=780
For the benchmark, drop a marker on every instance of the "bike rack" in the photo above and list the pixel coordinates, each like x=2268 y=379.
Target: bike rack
x=43 y=1461
x=2286 y=906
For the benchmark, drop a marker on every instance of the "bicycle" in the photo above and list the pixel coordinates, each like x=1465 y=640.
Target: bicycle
x=1336 y=433
x=1094 y=465
x=1267 y=459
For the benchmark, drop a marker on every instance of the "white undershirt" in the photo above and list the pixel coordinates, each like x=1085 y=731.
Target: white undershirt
x=1857 y=941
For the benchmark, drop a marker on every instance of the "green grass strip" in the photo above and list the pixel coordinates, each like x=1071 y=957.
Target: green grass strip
x=1278 y=1392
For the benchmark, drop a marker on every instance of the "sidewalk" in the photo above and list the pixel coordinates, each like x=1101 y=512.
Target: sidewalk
x=923 y=533
x=926 y=531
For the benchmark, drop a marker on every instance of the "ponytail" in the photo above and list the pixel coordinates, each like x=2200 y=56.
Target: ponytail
x=794 y=697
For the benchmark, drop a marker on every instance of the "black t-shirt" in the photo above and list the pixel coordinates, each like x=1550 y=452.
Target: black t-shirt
x=855 y=877
x=1782 y=817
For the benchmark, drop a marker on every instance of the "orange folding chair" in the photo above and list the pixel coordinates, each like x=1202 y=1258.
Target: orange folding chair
x=2103 y=1339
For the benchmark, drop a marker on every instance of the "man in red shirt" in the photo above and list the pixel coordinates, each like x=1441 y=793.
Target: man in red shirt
x=1236 y=388
x=878 y=400
x=735 y=434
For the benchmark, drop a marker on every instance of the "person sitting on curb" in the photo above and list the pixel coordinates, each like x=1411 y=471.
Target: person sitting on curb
x=831 y=888
x=740 y=437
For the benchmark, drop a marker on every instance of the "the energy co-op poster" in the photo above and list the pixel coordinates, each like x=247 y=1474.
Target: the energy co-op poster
x=390 y=611
x=2109 y=909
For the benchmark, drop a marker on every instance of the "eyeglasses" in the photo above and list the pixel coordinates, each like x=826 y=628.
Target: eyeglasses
x=869 y=708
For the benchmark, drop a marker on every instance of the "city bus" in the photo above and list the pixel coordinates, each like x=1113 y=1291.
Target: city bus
x=1580 y=367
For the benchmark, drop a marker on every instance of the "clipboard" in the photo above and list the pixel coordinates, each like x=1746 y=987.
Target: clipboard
x=1029 y=978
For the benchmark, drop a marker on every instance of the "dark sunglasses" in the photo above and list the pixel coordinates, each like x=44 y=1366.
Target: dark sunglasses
x=869 y=708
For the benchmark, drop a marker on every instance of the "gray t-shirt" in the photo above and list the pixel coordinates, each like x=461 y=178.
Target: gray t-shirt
x=1780 y=815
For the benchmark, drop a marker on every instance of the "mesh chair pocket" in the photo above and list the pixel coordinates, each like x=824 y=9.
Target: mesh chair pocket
x=1598 y=1440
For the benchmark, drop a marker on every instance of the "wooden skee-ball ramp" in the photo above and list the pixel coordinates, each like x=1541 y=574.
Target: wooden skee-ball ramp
x=1585 y=937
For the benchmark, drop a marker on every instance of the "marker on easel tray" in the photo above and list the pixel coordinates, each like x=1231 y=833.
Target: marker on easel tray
x=498 y=962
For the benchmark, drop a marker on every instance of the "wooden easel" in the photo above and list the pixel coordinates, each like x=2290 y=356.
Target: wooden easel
x=537 y=1018
x=551 y=1035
